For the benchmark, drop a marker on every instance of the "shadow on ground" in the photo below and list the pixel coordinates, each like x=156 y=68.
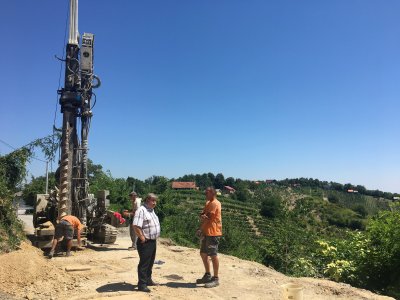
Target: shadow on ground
x=100 y=247
x=116 y=287
x=185 y=285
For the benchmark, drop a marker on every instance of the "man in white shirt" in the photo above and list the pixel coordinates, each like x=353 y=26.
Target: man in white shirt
x=147 y=228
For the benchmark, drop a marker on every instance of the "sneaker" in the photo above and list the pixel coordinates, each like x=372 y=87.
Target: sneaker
x=213 y=283
x=132 y=248
x=143 y=288
x=68 y=254
x=206 y=278
x=51 y=254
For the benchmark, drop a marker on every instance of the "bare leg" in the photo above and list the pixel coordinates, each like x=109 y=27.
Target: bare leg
x=69 y=245
x=206 y=262
x=54 y=245
x=215 y=263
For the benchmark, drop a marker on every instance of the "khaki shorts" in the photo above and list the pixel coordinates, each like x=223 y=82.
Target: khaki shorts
x=209 y=245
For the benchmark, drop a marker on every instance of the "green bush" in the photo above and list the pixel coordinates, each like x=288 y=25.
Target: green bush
x=11 y=229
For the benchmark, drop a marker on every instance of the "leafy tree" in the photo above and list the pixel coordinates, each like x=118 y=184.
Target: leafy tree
x=219 y=181
x=361 y=189
x=380 y=269
x=230 y=181
x=242 y=195
x=361 y=210
x=37 y=186
x=271 y=204
x=333 y=199
x=12 y=172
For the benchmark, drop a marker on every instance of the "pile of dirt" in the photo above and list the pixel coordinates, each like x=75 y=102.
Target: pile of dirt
x=27 y=273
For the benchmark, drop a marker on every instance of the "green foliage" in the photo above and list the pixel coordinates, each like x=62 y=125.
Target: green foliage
x=12 y=171
x=361 y=210
x=381 y=265
x=11 y=231
x=242 y=195
x=37 y=186
x=271 y=204
x=219 y=181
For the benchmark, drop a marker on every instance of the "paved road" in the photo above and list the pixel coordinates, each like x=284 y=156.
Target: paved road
x=26 y=219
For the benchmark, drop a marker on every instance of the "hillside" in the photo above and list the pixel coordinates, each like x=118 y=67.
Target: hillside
x=300 y=232
x=112 y=275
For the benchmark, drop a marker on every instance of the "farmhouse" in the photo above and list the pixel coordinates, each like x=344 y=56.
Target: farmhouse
x=181 y=185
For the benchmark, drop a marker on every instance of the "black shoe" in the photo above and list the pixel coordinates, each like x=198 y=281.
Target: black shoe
x=143 y=288
x=206 y=278
x=150 y=282
x=51 y=254
x=213 y=283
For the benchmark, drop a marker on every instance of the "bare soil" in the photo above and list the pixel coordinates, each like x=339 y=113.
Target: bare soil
x=28 y=274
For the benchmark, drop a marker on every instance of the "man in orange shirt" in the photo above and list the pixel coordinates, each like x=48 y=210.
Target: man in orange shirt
x=211 y=229
x=65 y=228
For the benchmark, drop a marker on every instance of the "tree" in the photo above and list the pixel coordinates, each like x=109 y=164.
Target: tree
x=230 y=181
x=242 y=195
x=271 y=204
x=12 y=172
x=219 y=181
x=380 y=268
x=37 y=186
x=361 y=210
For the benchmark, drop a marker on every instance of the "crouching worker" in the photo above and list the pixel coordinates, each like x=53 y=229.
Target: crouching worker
x=65 y=229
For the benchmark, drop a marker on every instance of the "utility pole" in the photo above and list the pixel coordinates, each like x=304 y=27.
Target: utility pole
x=47 y=177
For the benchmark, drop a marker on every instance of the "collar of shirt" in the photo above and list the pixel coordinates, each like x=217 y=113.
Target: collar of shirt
x=148 y=208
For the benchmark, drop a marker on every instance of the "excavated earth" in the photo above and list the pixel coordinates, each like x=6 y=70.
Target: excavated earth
x=109 y=272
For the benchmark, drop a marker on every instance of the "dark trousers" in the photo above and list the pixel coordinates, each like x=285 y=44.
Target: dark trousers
x=147 y=254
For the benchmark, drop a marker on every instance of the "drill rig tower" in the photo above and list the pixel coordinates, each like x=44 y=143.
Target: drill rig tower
x=73 y=196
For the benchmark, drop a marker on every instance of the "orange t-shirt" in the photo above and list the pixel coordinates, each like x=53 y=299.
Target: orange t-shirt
x=74 y=221
x=213 y=225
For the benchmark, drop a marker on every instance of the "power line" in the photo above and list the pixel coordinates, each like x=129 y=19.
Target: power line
x=8 y=145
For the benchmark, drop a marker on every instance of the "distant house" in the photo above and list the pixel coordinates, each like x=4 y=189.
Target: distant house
x=396 y=198
x=229 y=190
x=352 y=191
x=181 y=185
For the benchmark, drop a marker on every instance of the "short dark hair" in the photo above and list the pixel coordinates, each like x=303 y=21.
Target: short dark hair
x=211 y=188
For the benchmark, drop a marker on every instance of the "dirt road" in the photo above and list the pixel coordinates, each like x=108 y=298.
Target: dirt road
x=111 y=274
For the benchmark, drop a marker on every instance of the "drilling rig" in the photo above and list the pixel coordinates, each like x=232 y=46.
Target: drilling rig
x=71 y=196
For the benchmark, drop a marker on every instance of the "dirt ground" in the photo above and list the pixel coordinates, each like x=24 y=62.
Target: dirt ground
x=111 y=274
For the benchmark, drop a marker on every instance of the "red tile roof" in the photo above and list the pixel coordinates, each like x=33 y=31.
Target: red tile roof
x=228 y=188
x=183 y=185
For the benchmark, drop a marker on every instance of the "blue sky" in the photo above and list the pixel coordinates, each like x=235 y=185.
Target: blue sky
x=251 y=89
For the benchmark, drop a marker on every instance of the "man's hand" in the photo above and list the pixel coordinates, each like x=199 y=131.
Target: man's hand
x=199 y=233
x=203 y=217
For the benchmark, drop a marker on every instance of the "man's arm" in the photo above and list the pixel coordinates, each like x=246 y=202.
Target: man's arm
x=212 y=212
x=139 y=233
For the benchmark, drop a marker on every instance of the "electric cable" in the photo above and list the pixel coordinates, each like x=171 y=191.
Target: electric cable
x=7 y=144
